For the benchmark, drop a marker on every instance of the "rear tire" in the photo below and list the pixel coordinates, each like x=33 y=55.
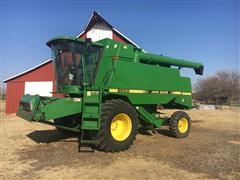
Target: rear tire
x=180 y=124
x=119 y=126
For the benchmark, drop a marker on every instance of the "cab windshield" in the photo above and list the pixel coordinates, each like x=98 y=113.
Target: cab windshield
x=69 y=59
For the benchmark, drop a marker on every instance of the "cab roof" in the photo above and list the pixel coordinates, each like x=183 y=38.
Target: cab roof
x=71 y=38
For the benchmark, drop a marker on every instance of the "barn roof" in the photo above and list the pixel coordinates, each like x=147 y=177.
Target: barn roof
x=95 y=18
x=29 y=70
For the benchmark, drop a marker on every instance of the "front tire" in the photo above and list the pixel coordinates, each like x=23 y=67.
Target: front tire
x=119 y=126
x=180 y=124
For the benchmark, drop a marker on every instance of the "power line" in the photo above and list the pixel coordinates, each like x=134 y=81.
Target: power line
x=23 y=42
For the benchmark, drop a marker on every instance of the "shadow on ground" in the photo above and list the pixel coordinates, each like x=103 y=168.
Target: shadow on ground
x=146 y=132
x=48 y=136
x=205 y=151
x=165 y=132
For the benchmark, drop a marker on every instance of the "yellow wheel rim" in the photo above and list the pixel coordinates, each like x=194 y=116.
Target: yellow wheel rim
x=121 y=127
x=182 y=125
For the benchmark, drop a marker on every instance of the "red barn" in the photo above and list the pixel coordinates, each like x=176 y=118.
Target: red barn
x=37 y=80
x=41 y=80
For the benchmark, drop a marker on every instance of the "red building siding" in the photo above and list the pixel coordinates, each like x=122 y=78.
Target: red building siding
x=42 y=73
x=15 y=90
x=15 y=86
x=83 y=36
x=118 y=38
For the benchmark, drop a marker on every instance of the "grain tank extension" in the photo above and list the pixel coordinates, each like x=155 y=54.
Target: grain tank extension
x=111 y=89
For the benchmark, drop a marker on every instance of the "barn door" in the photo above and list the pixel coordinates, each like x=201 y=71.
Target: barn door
x=41 y=88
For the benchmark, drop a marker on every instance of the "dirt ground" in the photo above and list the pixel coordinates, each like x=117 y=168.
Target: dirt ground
x=38 y=151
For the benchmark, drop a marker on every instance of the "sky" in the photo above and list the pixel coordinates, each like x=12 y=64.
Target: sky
x=202 y=31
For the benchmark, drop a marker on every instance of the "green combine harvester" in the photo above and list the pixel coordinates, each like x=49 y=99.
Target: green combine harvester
x=110 y=90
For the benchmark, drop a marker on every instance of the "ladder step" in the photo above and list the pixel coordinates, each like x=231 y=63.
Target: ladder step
x=89 y=128
x=90 y=116
x=87 y=141
x=91 y=102
x=90 y=125
x=85 y=144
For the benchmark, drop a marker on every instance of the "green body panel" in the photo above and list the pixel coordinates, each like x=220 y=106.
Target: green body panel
x=150 y=118
x=53 y=108
x=28 y=106
x=122 y=71
x=46 y=108
x=71 y=90
x=185 y=101
x=148 y=77
x=129 y=73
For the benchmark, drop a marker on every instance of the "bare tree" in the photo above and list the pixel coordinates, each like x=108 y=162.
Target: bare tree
x=221 y=88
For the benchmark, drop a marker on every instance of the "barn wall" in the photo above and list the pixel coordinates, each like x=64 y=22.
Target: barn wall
x=115 y=36
x=83 y=36
x=99 y=31
x=15 y=90
x=118 y=38
x=43 y=73
x=16 y=86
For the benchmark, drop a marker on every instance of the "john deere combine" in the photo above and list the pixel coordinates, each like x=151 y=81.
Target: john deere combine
x=111 y=89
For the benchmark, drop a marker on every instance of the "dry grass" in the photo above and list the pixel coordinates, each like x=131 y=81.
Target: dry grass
x=37 y=151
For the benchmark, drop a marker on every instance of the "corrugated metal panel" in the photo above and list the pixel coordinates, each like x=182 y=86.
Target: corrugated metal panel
x=15 y=90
